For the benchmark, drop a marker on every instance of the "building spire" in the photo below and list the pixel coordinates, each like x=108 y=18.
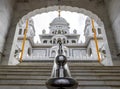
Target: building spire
x=59 y=9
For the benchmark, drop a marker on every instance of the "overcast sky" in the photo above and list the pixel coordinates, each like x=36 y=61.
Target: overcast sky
x=76 y=21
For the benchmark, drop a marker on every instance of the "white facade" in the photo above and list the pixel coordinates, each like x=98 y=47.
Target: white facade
x=59 y=30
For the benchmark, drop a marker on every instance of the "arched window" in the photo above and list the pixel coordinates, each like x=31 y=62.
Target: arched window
x=29 y=51
x=99 y=31
x=59 y=32
x=45 y=41
x=66 y=52
x=54 y=41
x=89 y=51
x=51 y=41
x=62 y=32
x=103 y=51
x=53 y=33
x=59 y=40
x=20 y=31
x=64 y=41
x=53 y=53
x=67 y=41
x=15 y=54
x=65 y=32
x=73 y=41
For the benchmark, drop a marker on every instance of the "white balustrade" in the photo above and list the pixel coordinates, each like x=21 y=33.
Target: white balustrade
x=81 y=57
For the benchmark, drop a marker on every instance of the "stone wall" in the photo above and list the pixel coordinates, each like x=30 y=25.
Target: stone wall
x=114 y=14
x=6 y=8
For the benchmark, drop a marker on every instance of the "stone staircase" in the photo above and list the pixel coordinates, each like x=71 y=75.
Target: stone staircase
x=33 y=75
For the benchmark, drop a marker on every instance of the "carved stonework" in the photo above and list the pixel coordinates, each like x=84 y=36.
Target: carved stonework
x=65 y=8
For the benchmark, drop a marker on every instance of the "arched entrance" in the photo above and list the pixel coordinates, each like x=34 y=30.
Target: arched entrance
x=108 y=61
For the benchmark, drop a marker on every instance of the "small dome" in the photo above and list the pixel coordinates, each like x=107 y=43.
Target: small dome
x=43 y=31
x=75 y=31
x=59 y=21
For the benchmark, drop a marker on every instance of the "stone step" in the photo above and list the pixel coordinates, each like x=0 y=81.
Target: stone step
x=48 y=71
x=81 y=82
x=34 y=76
x=43 y=87
x=71 y=67
x=18 y=86
x=25 y=73
x=78 y=79
x=73 y=74
x=47 y=77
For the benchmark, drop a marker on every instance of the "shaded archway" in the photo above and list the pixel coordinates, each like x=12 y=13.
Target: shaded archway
x=65 y=8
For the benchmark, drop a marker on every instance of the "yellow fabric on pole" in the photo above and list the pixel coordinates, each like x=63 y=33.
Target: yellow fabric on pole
x=24 y=39
x=96 y=41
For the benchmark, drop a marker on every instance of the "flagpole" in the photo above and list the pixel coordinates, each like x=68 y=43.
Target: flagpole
x=23 y=42
x=59 y=11
x=96 y=41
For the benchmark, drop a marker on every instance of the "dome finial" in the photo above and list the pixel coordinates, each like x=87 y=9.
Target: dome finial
x=59 y=9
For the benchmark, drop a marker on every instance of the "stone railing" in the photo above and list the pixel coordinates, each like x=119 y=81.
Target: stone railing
x=52 y=58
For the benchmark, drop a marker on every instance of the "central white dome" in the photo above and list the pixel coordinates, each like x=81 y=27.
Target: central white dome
x=59 y=21
x=59 y=26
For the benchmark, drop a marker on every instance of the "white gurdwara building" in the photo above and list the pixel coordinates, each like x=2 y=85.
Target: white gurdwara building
x=59 y=30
